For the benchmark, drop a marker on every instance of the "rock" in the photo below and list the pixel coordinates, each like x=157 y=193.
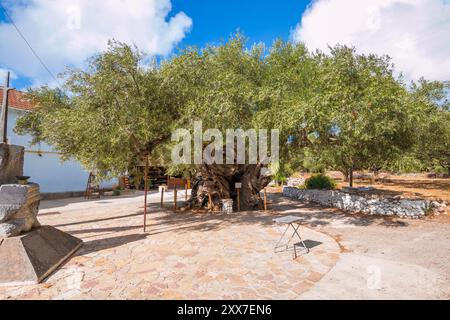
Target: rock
x=295 y=182
x=19 y=206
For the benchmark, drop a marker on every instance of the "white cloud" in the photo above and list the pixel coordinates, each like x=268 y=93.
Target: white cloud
x=415 y=33
x=67 y=32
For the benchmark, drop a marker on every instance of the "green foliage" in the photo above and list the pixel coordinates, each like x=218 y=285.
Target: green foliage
x=312 y=163
x=280 y=178
x=109 y=116
x=320 y=181
x=407 y=163
x=431 y=137
x=341 y=110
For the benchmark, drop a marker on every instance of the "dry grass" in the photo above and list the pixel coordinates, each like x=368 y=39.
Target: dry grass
x=408 y=186
x=417 y=187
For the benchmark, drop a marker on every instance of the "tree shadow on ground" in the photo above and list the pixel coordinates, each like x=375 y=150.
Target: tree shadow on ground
x=166 y=221
x=107 y=229
x=53 y=213
x=208 y=221
x=315 y=215
x=57 y=203
x=98 y=220
x=108 y=243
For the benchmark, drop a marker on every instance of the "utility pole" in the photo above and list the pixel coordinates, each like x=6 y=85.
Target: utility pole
x=4 y=112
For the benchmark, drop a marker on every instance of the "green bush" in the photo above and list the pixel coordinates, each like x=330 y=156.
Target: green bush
x=280 y=179
x=320 y=181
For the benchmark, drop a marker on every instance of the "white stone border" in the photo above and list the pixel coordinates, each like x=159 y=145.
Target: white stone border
x=411 y=208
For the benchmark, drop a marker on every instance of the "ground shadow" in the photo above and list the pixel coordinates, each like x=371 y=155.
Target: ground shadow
x=57 y=203
x=108 y=243
x=98 y=220
x=209 y=221
x=315 y=215
x=166 y=221
x=393 y=223
x=309 y=244
x=101 y=230
x=53 y=213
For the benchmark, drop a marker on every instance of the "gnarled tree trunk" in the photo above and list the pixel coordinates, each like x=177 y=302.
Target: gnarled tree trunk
x=218 y=182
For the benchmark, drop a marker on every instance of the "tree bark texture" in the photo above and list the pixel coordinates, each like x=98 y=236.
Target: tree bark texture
x=218 y=181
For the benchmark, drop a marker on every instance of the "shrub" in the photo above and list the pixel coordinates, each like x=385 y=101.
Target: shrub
x=280 y=179
x=320 y=181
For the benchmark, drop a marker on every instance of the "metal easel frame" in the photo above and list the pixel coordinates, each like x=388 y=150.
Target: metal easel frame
x=295 y=226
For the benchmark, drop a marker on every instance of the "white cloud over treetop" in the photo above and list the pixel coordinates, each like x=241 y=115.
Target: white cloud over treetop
x=415 y=33
x=67 y=32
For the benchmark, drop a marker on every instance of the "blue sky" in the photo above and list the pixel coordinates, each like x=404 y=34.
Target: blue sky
x=66 y=32
x=263 y=20
x=212 y=21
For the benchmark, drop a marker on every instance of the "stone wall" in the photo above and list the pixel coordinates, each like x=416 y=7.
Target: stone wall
x=11 y=163
x=295 y=182
x=356 y=203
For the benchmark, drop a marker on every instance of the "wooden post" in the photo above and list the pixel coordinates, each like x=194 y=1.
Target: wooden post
x=239 y=199
x=4 y=112
x=185 y=191
x=145 y=191
x=350 y=178
x=175 y=198
x=210 y=203
x=162 y=197
x=238 y=186
x=260 y=206
x=265 y=199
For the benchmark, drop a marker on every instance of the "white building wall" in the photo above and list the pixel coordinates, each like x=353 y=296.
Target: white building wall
x=46 y=169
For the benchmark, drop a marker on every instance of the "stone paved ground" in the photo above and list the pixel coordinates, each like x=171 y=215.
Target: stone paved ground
x=214 y=256
x=182 y=256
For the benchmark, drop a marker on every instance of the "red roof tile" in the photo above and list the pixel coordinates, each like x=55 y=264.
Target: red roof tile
x=16 y=99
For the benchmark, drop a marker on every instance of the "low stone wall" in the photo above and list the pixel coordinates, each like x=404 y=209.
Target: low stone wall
x=61 y=195
x=356 y=203
x=295 y=182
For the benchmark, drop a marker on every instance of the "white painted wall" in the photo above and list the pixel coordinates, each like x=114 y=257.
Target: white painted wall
x=47 y=170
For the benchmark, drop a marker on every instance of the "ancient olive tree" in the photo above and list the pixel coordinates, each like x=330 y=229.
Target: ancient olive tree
x=122 y=108
x=222 y=89
x=340 y=110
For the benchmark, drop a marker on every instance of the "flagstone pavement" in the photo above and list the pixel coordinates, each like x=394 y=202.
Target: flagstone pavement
x=181 y=256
